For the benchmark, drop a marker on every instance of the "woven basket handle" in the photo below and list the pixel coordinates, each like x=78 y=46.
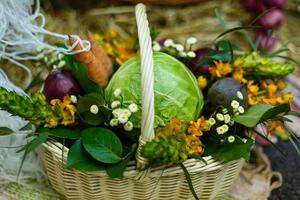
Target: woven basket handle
x=147 y=82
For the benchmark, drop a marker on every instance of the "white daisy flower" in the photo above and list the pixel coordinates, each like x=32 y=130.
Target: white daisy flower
x=225 y=128
x=220 y=130
x=128 y=126
x=133 y=107
x=220 y=117
x=117 y=92
x=94 y=109
x=182 y=54
x=227 y=118
x=113 y=122
x=179 y=47
x=126 y=112
x=231 y=139
x=211 y=121
x=191 y=40
x=117 y=112
x=239 y=95
x=241 y=109
x=73 y=99
x=224 y=110
x=156 y=46
x=115 y=104
x=244 y=140
x=231 y=122
x=191 y=54
x=235 y=104
x=168 y=43
x=122 y=118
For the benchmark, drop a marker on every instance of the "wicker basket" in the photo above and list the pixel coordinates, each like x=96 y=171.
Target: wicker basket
x=210 y=181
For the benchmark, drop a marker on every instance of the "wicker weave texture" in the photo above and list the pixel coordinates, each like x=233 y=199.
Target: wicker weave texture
x=211 y=180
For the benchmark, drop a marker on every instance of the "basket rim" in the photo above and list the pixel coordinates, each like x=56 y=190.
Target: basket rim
x=192 y=165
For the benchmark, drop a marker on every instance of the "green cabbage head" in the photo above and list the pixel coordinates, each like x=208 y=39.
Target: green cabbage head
x=176 y=91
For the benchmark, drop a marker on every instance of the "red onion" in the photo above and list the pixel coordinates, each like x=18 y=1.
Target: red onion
x=59 y=84
x=266 y=42
x=276 y=3
x=272 y=20
x=193 y=64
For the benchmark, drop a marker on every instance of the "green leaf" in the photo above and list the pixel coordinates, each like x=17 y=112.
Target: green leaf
x=236 y=29
x=220 y=19
x=297 y=114
x=27 y=127
x=80 y=73
x=102 y=144
x=5 y=131
x=230 y=151
x=189 y=181
x=83 y=107
x=36 y=142
x=79 y=159
x=61 y=132
x=117 y=170
x=253 y=115
x=273 y=112
x=225 y=45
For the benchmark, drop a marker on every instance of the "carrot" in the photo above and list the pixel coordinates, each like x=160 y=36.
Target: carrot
x=100 y=54
x=97 y=72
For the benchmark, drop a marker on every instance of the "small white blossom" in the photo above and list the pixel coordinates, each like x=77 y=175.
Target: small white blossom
x=220 y=130
x=117 y=112
x=191 y=40
x=115 y=104
x=168 y=43
x=224 y=110
x=60 y=56
x=225 y=128
x=128 y=126
x=182 y=54
x=179 y=47
x=191 y=54
x=61 y=64
x=46 y=59
x=239 y=95
x=231 y=139
x=54 y=67
x=113 y=122
x=122 y=118
x=94 y=109
x=117 y=92
x=241 y=109
x=220 y=117
x=133 y=107
x=211 y=121
x=244 y=140
x=235 y=104
x=156 y=46
x=227 y=118
x=126 y=112
x=73 y=99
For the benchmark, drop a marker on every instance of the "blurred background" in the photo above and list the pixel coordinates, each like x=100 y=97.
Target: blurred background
x=180 y=19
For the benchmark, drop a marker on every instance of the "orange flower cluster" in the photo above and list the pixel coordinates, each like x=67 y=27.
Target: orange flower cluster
x=276 y=127
x=116 y=47
x=268 y=93
x=195 y=130
x=220 y=69
x=63 y=113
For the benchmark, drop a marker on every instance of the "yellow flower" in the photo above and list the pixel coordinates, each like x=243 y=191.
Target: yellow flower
x=202 y=82
x=196 y=128
x=51 y=122
x=252 y=88
x=238 y=63
x=220 y=69
x=272 y=89
x=281 y=84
